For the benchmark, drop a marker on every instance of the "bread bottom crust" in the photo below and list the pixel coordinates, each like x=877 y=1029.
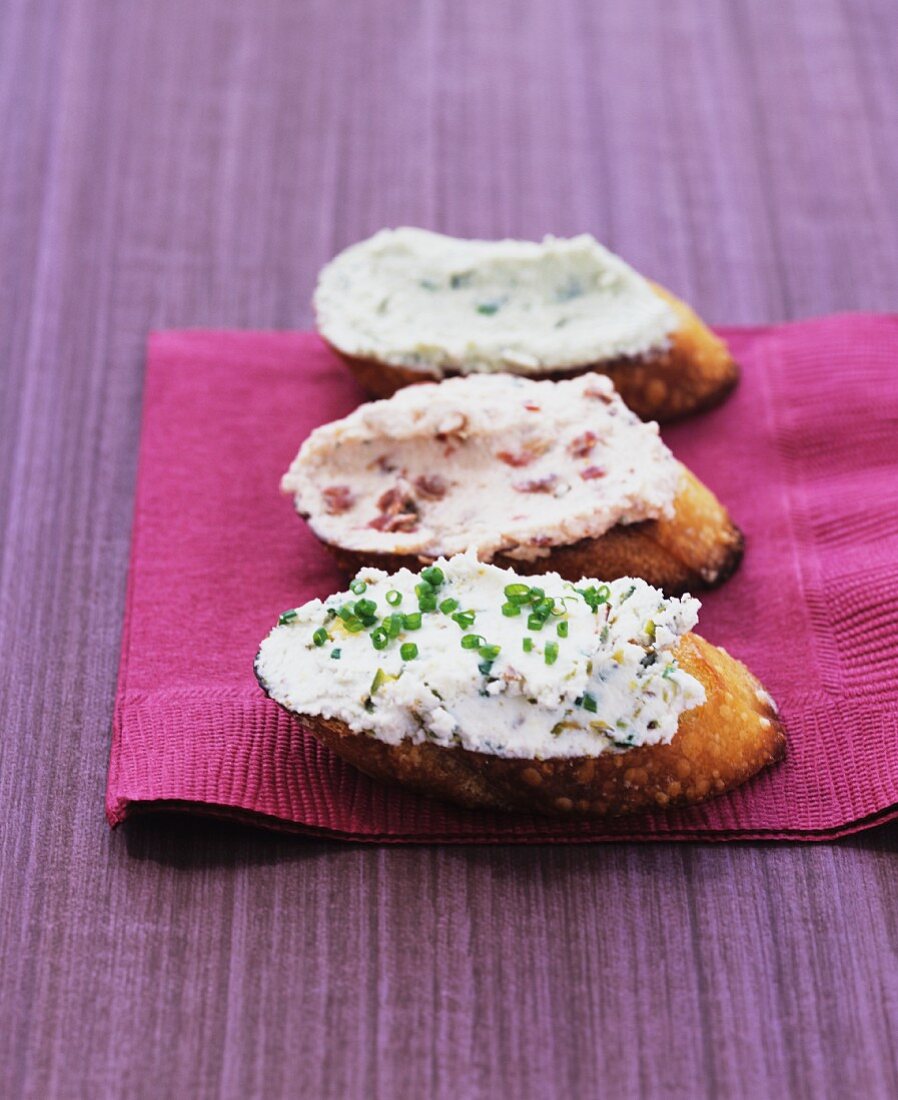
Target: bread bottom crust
x=695 y=373
x=697 y=548
x=717 y=747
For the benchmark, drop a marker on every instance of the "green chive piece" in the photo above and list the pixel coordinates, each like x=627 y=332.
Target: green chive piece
x=489 y=652
x=488 y=308
x=354 y=626
x=408 y=651
x=392 y=624
x=379 y=638
x=433 y=575
x=347 y=612
x=511 y=609
x=379 y=678
x=358 y=587
x=486 y=667
x=365 y=608
x=288 y=617
x=528 y=644
x=413 y=621
x=472 y=641
x=562 y=629
x=551 y=653
x=394 y=598
x=448 y=606
x=627 y=594
x=336 y=653
x=534 y=622
x=464 y=619
x=650 y=628
x=320 y=636
x=427 y=602
x=517 y=593
x=536 y=594
x=589 y=703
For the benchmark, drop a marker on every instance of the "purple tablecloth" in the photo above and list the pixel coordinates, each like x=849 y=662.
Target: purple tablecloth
x=167 y=164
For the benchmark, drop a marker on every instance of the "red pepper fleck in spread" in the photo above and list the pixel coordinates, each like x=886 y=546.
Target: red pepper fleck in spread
x=538 y=485
x=431 y=486
x=337 y=499
x=591 y=473
x=582 y=445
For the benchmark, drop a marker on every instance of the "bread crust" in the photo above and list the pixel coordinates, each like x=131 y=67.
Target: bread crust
x=697 y=548
x=717 y=747
x=694 y=373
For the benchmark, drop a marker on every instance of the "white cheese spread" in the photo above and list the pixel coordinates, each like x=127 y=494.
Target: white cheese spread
x=412 y=298
x=490 y=463
x=472 y=655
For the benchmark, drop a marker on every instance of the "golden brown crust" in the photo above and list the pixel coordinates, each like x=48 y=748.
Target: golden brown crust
x=695 y=373
x=717 y=746
x=698 y=547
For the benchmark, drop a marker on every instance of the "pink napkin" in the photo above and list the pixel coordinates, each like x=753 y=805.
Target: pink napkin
x=804 y=456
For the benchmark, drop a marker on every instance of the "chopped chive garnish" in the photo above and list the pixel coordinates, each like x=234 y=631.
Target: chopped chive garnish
x=433 y=575
x=347 y=612
x=448 y=606
x=536 y=594
x=463 y=618
x=489 y=652
x=562 y=629
x=288 y=617
x=472 y=641
x=392 y=624
x=595 y=597
x=365 y=609
x=650 y=628
x=336 y=653
x=320 y=636
x=393 y=598
x=379 y=638
x=412 y=621
x=534 y=622
x=626 y=595
x=528 y=644
x=551 y=653
x=408 y=651
x=589 y=702
x=511 y=609
x=486 y=667
x=488 y=308
x=427 y=602
x=358 y=587
x=668 y=671
x=354 y=626
x=517 y=593
x=379 y=678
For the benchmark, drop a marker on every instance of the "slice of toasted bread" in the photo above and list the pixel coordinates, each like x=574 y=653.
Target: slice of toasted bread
x=693 y=373
x=698 y=547
x=717 y=746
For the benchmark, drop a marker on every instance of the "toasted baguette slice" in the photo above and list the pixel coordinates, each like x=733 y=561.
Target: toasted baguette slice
x=735 y=734
x=532 y=475
x=696 y=549
x=466 y=682
x=547 y=311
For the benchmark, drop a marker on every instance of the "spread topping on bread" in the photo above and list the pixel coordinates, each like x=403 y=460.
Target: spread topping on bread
x=471 y=655
x=409 y=297
x=491 y=463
